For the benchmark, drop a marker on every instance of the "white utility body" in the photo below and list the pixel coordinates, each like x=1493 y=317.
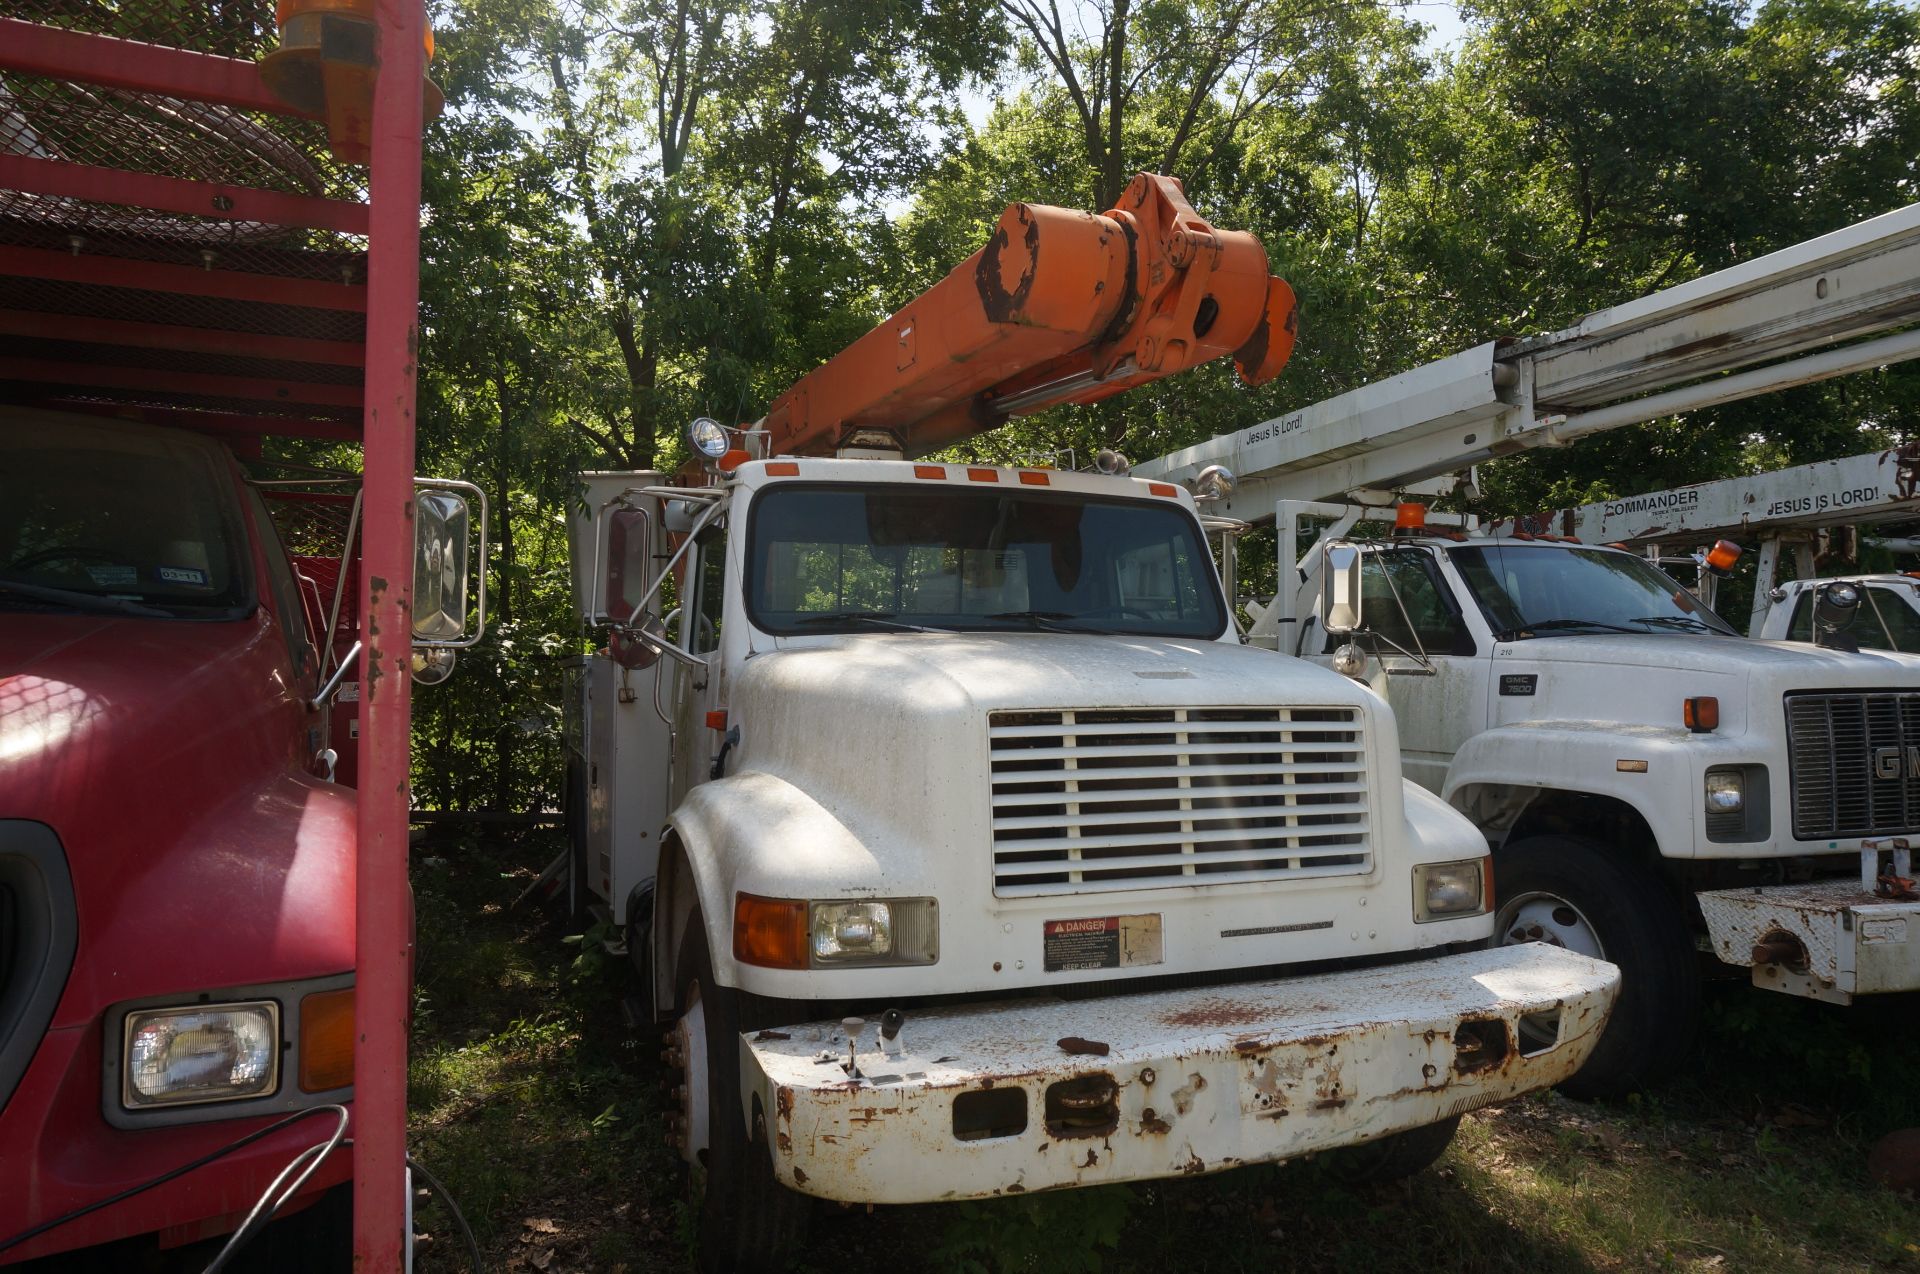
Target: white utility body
x=982 y=746
x=1617 y=828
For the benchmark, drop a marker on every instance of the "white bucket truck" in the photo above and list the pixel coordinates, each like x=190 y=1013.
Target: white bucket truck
x=965 y=851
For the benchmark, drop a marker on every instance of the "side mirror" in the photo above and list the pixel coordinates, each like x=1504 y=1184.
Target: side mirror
x=443 y=557
x=629 y=561
x=627 y=648
x=1340 y=602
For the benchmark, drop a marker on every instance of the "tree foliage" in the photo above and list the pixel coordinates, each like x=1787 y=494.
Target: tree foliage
x=639 y=211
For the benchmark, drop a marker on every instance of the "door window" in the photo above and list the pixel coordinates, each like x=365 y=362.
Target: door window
x=710 y=602
x=1406 y=608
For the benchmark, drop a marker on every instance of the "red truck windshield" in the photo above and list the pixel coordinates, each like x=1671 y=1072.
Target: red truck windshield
x=851 y=558
x=111 y=517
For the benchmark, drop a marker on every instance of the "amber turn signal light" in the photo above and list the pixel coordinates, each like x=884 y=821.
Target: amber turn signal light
x=326 y=1040
x=1702 y=715
x=770 y=932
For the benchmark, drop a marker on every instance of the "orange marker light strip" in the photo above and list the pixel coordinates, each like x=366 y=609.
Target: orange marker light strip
x=1166 y=489
x=1702 y=715
x=770 y=932
x=326 y=1040
x=983 y=475
x=929 y=471
x=783 y=469
x=1029 y=478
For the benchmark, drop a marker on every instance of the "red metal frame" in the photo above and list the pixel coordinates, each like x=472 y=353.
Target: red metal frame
x=269 y=298
x=184 y=280
x=65 y=179
x=384 y=965
x=188 y=340
x=103 y=59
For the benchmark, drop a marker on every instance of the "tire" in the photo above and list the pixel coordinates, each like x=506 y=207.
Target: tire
x=1637 y=923
x=1392 y=1157
x=746 y=1220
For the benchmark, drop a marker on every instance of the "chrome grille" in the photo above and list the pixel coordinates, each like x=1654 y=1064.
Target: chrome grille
x=1096 y=800
x=1834 y=743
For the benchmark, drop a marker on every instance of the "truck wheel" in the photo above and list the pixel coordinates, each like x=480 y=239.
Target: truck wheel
x=1392 y=1157
x=747 y=1221
x=1573 y=893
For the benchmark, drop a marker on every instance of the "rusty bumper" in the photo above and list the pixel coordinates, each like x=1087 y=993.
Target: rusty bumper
x=1038 y=1095
x=1827 y=940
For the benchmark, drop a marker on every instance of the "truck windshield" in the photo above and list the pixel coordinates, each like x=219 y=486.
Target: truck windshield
x=115 y=518
x=873 y=558
x=1529 y=591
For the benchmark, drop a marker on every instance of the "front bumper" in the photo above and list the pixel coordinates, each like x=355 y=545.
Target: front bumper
x=1827 y=939
x=1192 y=1080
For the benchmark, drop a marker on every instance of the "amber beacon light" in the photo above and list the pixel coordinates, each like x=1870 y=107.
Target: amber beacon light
x=328 y=58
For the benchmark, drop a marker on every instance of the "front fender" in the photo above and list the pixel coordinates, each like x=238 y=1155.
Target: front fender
x=757 y=833
x=1507 y=768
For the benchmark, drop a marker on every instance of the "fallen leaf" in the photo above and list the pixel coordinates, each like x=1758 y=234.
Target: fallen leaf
x=542 y=1225
x=541 y=1261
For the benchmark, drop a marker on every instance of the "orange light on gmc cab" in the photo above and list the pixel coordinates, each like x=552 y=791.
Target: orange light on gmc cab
x=1721 y=557
x=983 y=475
x=1033 y=478
x=1702 y=715
x=1166 y=489
x=326 y=1040
x=770 y=932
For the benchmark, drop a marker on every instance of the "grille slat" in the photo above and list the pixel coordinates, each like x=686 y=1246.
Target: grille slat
x=1835 y=743
x=1095 y=800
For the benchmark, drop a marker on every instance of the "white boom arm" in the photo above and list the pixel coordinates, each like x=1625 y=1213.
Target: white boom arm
x=1819 y=309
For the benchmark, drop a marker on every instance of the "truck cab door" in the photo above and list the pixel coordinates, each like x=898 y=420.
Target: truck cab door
x=699 y=691
x=1423 y=656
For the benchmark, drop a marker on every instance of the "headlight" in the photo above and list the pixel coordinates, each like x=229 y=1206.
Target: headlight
x=708 y=437
x=1726 y=791
x=201 y=1053
x=1448 y=891
x=771 y=932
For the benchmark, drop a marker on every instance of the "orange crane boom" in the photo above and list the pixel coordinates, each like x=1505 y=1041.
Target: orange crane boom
x=1059 y=307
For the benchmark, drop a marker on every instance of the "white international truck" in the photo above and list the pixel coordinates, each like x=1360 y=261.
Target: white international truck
x=1655 y=788
x=962 y=847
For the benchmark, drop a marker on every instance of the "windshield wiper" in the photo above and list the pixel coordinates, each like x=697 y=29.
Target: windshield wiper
x=878 y=618
x=81 y=601
x=1563 y=625
x=1047 y=619
x=1685 y=623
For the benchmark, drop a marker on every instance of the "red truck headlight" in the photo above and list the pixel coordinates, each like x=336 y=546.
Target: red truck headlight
x=201 y=1053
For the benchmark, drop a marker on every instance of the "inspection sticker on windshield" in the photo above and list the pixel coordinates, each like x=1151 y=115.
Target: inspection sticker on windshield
x=1101 y=942
x=113 y=576
x=1518 y=683
x=182 y=575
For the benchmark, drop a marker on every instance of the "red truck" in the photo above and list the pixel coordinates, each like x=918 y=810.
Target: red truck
x=203 y=932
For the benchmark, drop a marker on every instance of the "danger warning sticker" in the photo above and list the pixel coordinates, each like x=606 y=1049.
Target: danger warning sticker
x=1101 y=942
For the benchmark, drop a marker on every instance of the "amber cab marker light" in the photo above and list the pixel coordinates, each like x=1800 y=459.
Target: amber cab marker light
x=770 y=932
x=783 y=469
x=1702 y=715
x=1721 y=557
x=326 y=1040
x=934 y=471
x=1409 y=518
x=717 y=719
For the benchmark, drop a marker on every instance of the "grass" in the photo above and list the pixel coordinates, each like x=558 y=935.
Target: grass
x=543 y=1113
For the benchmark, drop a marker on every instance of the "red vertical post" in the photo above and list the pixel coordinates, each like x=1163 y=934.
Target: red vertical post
x=386 y=582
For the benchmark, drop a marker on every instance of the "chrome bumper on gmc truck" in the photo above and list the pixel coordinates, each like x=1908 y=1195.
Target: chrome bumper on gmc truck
x=973 y=1101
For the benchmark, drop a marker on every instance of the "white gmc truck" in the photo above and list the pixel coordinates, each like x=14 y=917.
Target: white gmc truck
x=965 y=851
x=1656 y=789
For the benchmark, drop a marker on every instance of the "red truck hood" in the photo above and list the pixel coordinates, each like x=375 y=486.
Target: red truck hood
x=165 y=754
